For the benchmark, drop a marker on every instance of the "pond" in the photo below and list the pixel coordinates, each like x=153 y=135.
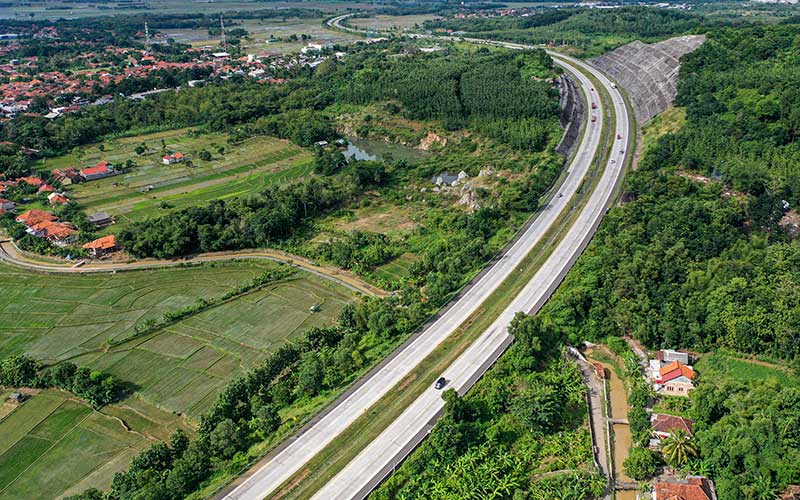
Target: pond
x=367 y=149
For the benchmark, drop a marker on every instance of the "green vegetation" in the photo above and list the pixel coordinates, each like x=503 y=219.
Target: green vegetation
x=592 y=31
x=526 y=418
x=52 y=445
x=703 y=263
x=138 y=193
x=109 y=324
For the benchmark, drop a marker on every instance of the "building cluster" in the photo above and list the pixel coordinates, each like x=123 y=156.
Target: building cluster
x=42 y=224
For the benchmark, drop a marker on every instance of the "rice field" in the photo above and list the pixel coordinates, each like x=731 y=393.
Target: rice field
x=180 y=368
x=53 y=445
x=150 y=187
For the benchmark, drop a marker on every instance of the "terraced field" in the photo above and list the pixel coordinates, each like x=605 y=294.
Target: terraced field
x=53 y=444
x=180 y=368
x=151 y=187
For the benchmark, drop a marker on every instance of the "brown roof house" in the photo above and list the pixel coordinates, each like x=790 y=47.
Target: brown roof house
x=691 y=488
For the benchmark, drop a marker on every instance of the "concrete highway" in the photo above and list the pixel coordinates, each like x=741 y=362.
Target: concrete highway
x=374 y=462
x=380 y=457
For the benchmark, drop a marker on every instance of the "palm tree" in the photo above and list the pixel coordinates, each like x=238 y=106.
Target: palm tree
x=678 y=448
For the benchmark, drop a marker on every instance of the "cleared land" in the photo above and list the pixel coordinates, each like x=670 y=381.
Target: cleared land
x=53 y=445
x=384 y=22
x=180 y=368
x=152 y=187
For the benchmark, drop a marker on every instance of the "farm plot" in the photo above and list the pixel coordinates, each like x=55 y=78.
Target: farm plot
x=151 y=185
x=54 y=445
x=182 y=367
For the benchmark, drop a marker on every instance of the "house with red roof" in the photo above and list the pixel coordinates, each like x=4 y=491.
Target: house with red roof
x=32 y=180
x=67 y=176
x=33 y=217
x=691 y=488
x=663 y=426
x=57 y=199
x=101 y=246
x=58 y=233
x=173 y=158
x=99 y=171
x=675 y=379
x=46 y=188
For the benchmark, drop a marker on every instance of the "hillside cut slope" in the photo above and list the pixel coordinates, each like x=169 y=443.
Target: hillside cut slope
x=648 y=72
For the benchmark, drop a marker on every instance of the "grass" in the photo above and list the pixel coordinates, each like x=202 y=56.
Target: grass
x=334 y=457
x=182 y=367
x=383 y=22
x=54 y=445
x=669 y=121
x=244 y=168
x=724 y=366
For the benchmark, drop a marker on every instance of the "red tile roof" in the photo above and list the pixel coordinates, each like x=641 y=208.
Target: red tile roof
x=668 y=423
x=54 y=230
x=100 y=168
x=104 y=243
x=676 y=369
x=57 y=199
x=46 y=188
x=32 y=180
x=691 y=488
x=32 y=217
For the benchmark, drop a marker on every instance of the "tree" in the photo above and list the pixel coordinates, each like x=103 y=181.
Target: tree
x=266 y=419
x=539 y=407
x=310 y=375
x=678 y=448
x=226 y=439
x=641 y=463
x=204 y=155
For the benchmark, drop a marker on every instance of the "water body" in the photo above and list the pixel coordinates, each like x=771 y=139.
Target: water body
x=367 y=149
x=622 y=438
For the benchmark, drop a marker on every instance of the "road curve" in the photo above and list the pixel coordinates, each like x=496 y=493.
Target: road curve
x=369 y=467
x=10 y=254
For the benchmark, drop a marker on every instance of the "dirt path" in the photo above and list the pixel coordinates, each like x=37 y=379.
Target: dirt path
x=13 y=255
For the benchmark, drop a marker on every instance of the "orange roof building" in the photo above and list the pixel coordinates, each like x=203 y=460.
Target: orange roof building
x=32 y=180
x=57 y=199
x=674 y=370
x=691 y=488
x=664 y=425
x=101 y=245
x=33 y=217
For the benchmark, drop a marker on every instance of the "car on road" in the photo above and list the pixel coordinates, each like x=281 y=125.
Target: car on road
x=440 y=383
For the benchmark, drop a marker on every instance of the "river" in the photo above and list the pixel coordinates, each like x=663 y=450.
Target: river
x=622 y=438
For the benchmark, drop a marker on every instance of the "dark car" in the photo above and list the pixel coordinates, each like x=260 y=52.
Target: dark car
x=440 y=383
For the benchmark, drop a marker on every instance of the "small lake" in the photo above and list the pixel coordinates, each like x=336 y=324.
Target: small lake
x=367 y=149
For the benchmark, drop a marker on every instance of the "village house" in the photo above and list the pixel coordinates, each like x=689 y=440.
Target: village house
x=32 y=180
x=172 y=158
x=99 y=171
x=33 y=217
x=674 y=379
x=69 y=175
x=7 y=205
x=691 y=488
x=57 y=233
x=46 y=188
x=664 y=425
x=100 y=219
x=57 y=199
x=101 y=246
